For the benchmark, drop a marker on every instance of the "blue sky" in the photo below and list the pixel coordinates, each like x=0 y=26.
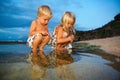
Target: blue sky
x=16 y=15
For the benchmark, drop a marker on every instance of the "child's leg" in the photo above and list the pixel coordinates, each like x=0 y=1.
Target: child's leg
x=45 y=40
x=36 y=43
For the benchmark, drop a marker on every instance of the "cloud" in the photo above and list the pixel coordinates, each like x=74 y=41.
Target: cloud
x=15 y=30
x=13 y=15
x=16 y=15
x=7 y=31
x=21 y=13
x=14 y=33
x=9 y=21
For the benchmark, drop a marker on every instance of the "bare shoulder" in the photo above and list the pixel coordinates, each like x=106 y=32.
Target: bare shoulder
x=59 y=28
x=33 y=25
x=34 y=22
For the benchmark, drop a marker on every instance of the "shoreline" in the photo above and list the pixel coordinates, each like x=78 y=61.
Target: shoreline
x=12 y=42
x=110 y=45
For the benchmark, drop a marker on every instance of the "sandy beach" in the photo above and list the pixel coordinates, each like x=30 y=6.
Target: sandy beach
x=109 y=45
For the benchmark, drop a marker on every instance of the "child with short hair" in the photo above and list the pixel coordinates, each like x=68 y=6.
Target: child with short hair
x=39 y=35
x=63 y=34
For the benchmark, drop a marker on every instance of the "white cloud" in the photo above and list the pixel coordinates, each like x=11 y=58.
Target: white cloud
x=17 y=16
x=23 y=29
x=22 y=17
x=16 y=31
x=6 y=31
x=1 y=30
x=87 y=13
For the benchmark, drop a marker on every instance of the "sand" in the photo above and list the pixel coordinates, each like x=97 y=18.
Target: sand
x=109 y=45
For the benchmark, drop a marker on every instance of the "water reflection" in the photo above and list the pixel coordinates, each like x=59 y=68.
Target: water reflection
x=60 y=57
x=56 y=60
x=38 y=65
x=114 y=60
x=59 y=60
x=57 y=65
x=67 y=65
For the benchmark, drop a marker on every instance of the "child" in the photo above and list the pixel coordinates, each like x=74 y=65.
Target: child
x=64 y=33
x=39 y=35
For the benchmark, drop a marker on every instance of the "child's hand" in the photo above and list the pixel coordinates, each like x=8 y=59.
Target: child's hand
x=71 y=38
x=44 y=33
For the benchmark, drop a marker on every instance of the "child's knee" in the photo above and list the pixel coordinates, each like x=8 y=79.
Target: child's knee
x=37 y=40
x=39 y=36
x=47 y=37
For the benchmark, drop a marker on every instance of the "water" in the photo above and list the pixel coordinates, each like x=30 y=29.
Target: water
x=16 y=63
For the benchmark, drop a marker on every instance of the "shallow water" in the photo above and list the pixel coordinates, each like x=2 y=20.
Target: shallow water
x=16 y=63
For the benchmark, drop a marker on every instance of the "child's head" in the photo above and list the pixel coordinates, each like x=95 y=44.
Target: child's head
x=44 y=10
x=68 y=20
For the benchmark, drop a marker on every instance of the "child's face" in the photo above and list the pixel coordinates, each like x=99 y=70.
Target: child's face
x=43 y=20
x=70 y=25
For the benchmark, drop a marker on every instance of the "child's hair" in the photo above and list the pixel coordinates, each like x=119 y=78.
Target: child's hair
x=68 y=17
x=45 y=10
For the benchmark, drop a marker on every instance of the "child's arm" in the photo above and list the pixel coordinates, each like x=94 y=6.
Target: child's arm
x=45 y=33
x=60 y=39
x=33 y=29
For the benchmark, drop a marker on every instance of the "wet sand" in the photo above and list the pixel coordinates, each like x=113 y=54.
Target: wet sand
x=109 y=45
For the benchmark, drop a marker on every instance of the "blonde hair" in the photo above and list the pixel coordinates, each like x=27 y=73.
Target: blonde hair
x=45 y=10
x=68 y=17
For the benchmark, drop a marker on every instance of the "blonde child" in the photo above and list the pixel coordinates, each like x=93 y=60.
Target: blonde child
x=39 y=35
x=63 y=34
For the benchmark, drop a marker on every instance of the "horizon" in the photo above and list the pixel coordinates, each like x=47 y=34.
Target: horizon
x=16 y=16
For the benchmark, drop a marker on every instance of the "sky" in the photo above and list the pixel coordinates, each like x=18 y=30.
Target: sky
x=16 y=15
